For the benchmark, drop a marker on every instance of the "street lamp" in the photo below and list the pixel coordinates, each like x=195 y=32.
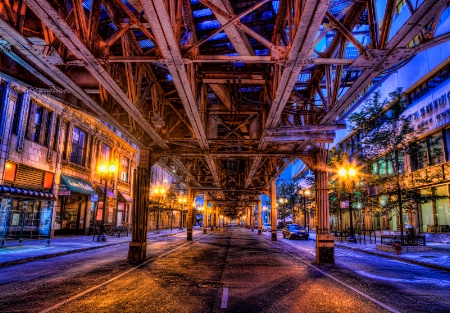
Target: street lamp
x=349 y=174
x=158 y=193
x=265 y=209
x=106 y=173
x=182 y=202
x=282 y=202
x=305 y=193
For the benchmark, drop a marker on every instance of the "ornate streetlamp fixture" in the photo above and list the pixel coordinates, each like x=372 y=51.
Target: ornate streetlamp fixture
x=106 y=173
x=349 y=174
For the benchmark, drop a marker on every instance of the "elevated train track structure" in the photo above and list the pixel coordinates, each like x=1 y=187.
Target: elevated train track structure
x=224 y=94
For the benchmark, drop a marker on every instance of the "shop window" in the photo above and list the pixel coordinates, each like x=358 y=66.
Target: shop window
x=124 y=169
x=78 y=146
x=442 y=208
x=426 y=213
x=16 y=116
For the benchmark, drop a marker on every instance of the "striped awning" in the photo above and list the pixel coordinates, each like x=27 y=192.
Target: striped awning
x=7 y=190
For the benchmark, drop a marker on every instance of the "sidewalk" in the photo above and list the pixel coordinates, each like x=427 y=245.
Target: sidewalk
x=34 y=249
x=438 y=258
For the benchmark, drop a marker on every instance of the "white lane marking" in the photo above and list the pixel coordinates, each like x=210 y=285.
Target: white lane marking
x=116 y=277
x=387 y=307
x=224 y=299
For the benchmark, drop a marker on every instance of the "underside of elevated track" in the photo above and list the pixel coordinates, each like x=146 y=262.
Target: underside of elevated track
x=223 y=94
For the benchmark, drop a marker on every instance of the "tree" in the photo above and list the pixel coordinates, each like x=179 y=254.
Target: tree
x=387 y=138
x=288 y=197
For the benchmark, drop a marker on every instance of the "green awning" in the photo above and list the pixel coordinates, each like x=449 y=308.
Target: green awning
x=76 y=185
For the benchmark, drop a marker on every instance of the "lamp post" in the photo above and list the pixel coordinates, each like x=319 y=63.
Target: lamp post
x=106 y=172
x=282 y=202
x=159 y=193
x=304 y=193
x=349 y=174
x=182 y=202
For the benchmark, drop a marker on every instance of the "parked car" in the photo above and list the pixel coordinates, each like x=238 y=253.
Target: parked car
x=266 y=227
x=292 y=231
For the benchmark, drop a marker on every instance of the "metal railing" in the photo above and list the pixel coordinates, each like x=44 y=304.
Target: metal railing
x=404 y=240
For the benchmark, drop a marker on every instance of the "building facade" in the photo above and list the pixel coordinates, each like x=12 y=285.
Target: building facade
x=50 y=183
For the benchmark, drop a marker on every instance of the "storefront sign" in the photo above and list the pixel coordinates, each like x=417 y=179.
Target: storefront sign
x=432 y=111
x=76 y=185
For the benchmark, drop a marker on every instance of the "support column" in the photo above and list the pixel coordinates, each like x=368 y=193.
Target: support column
x=205 y=213
x=260 y=214
x=324 y=240
x=190 y=214
x=217 y=217
x=141 y=189
x=273 y=209
x=252 y=216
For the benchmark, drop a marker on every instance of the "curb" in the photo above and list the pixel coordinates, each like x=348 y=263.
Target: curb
x=56 y=254
x=435 y=266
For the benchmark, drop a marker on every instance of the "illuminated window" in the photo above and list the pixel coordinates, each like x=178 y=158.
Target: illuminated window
x=10 y=171
x=124 y=169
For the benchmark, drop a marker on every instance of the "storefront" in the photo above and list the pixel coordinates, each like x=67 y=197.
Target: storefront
x=76 y=199
x=123 y=208
x=24 y=213
x=109 y=216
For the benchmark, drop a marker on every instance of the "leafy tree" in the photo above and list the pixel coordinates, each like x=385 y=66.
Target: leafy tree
x=386 y=138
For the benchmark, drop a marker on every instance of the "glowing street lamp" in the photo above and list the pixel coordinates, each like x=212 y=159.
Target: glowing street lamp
x=305 y=193
x=106 y=173
x=159 y=193
x=348 y=174
x=182 y=201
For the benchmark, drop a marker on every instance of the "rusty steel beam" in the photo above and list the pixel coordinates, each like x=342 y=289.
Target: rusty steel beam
x=22 y=44
x=158 y=17
x=64 y=32
x=396 y=51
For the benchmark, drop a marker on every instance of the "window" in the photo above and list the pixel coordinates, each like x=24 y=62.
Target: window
x=105 y=154
x=78 y=146
x=55 y=135
x=124 y=169
x=66 y=136
x=435 y=145
x=16 y=116
x=419 y=157
x=34 y=122
x=38 y=126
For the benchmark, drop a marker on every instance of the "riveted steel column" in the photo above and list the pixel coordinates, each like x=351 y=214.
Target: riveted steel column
x=324 y=240
x=205 y=214
x=141 y=190
x=260 y=214
x=273 y=209
x=190 y=214
x=252 y=217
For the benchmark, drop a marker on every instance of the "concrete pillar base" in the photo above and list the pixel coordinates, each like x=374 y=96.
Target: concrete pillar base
x=189 y=234
x=137 y=251
x=325 y=249
x=259 y=231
